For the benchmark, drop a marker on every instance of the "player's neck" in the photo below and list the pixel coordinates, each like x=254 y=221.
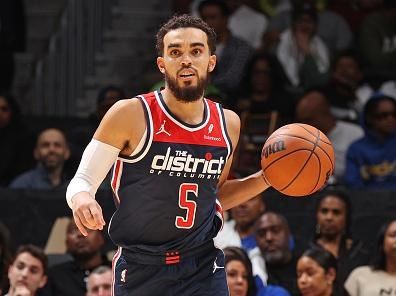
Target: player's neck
x=191 y=113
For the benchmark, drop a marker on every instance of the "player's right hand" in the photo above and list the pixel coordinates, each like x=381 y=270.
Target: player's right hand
x=87 y=213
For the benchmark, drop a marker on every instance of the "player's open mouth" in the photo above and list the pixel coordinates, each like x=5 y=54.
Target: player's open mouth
x=186 y=75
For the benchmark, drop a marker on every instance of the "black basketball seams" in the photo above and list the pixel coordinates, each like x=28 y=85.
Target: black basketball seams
x=308 y=140
x=309 y=132
x=271 y=163
x=305 y=164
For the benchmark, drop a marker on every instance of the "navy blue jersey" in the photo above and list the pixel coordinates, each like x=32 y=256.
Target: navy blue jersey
x=166 y=192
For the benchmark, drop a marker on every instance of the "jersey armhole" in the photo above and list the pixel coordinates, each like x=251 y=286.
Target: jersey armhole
x=147 y=138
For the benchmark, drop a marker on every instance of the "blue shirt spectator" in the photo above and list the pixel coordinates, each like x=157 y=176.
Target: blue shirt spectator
x=371 y=160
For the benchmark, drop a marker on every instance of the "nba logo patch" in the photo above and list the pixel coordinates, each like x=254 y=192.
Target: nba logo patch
x=123 y=275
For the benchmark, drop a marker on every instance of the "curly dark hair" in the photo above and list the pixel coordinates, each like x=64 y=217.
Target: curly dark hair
x=185 y=21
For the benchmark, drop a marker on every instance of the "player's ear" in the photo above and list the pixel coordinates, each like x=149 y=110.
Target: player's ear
x=212 y=63
x=161 y=64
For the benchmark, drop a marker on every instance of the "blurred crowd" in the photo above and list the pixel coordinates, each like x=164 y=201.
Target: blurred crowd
x=330 y=64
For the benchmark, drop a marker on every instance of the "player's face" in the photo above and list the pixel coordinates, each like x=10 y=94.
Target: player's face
x=82 y=246
x=331 y=216
x=237 y=278
x=312 y=279
x=27 y=271
x=99 y=284
x=247 y=213
x=390 y=241
x=5 y=113
x=186 y=63
x=272 y=238
x=51 y=149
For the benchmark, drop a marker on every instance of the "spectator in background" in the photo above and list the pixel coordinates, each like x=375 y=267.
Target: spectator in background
x=51 y=152
x=274 y=8
x=348 y=89
x=239 y=231
x=240 y=279
x=377 y=42
x=354 y=12
x=380 y=277
x=5 y=257
x=273 y=240
x=232 y=53
x=333 y=222
x=316 y=272
x=331 y=28
x=302 y=53
x=262 y=88
x=28 y=272
x=17 y=142
x=81 y=135
x=246 y=23
x=314 y=109
x=12 y=39
x=69 y=278
x=371 y=160
x=99 y=282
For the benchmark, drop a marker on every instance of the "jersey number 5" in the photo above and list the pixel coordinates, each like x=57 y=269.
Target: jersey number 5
x=189 y=205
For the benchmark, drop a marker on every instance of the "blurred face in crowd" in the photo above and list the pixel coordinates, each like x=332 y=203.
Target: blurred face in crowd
x=312 y=279
x=331 y=217
x=99 y=284
x=111 y=97
x=246 y=214
x=383 y=121
x=260 y=76
x=51 y=149
x=272 y=236
x=214 y=17
x=186 y=63
x=5 y=112
x=305 y=24
x=26 y=272
x=313 y=109
x=80 y=246
x=390 y=241
x=237 y=278
x=347 y=71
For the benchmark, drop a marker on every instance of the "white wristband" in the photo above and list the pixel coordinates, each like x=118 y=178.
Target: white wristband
x=96 y=162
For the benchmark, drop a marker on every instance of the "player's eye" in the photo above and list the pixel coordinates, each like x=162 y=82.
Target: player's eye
x=174 y=52
x=196 y=51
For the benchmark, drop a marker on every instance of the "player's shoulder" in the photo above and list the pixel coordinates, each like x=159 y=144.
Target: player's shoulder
x=126 y=107
x=232 y=120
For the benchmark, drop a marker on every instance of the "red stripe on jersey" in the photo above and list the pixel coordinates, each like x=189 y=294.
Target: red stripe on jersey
x=168 y=129
x=116 y=175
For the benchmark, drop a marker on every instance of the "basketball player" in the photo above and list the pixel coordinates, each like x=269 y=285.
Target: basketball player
x=172 y=151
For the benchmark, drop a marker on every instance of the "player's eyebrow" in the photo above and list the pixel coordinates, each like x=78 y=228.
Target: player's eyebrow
x=178 y=45
x=195 y=44
x=174 y=45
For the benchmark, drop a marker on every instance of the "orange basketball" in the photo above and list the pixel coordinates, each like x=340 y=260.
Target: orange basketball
x=297 y=159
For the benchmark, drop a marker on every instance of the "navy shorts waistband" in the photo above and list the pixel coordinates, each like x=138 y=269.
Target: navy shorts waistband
x=168 y=257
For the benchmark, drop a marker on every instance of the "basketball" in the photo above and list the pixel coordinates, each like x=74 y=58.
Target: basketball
x=297 y=159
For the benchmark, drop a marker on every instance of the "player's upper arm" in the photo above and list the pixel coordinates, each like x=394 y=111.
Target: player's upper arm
x=233 y=125
x=123 y=125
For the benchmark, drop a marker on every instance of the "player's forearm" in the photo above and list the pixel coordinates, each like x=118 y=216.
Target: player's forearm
x=235 y=192
x=95 y=163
